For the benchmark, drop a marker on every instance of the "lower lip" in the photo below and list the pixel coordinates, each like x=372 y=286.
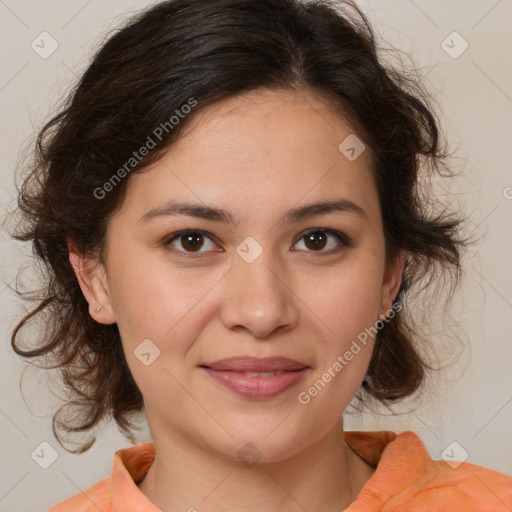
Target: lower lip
x=256 y=387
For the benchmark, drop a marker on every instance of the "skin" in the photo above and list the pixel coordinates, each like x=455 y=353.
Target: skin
x=257 y=155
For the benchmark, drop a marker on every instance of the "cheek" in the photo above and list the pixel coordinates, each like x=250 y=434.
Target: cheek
x=347 y=300
x=169 y=306
x=150 y=297
x=346 y=307
x=347 y=312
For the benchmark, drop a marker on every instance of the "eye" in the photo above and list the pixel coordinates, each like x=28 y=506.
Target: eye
x=317 y=239
x=189 y=241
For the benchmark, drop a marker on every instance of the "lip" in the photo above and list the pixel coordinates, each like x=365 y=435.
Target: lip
x=230 y=373
x=255 y=364
x=258 y=387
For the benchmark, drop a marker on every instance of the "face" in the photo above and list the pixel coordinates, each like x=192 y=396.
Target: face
x=266 y=278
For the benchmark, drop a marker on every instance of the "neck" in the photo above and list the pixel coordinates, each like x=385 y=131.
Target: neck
x=326 y=476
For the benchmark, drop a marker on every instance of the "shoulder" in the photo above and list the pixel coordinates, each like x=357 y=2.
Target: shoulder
x=119 y=491
x=95 y=498
x=467 y=487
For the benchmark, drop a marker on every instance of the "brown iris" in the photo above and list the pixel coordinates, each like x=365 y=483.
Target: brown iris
x=192 y=242
x=318 y=239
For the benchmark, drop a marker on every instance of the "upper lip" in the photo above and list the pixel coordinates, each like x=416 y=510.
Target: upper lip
x=255 y=364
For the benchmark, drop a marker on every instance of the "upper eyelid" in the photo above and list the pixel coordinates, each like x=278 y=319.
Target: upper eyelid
x=178 y=234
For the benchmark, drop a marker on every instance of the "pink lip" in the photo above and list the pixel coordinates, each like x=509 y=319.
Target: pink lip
x=257 y=387
x=230 y=373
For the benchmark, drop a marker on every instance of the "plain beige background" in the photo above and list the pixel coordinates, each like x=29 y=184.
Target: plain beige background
x=472 y=405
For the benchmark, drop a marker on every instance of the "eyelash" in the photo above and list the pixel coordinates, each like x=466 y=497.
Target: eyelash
x=344 y=239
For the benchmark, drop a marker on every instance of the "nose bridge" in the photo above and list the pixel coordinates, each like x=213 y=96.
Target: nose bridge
x=257 y=296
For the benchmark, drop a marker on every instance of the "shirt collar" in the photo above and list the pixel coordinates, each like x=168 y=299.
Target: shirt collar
x=402 y=461
x=130 y=466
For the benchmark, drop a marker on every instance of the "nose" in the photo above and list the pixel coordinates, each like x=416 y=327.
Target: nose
x=258 y=298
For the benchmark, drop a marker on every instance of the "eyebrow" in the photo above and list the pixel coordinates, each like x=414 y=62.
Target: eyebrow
x=205 y=212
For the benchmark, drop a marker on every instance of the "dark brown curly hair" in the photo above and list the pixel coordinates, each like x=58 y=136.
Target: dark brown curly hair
x=141 y=76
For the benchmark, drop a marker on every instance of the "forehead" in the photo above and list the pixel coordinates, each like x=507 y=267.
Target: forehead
x=268 y=123
x=262 y=149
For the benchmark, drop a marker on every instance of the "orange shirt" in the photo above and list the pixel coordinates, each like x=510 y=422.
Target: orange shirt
x=406 y=479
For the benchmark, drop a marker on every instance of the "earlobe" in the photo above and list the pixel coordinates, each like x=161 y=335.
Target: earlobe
x=93 y=283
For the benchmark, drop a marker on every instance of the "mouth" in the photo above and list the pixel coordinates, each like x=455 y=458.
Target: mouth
x=256 y=378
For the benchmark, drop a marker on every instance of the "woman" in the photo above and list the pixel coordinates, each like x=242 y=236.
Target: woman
x=229 y=213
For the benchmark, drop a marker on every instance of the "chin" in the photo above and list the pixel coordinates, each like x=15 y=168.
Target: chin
x=262 y=445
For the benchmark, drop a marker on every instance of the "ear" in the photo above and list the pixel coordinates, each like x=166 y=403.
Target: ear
x=92 y=278
x=391 y=282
